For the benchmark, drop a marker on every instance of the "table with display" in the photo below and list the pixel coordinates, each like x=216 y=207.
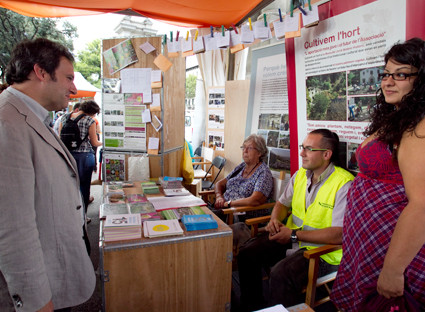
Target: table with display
x=189 y=272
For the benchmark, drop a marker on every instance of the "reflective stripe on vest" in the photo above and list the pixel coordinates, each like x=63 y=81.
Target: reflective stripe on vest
x=319 y=213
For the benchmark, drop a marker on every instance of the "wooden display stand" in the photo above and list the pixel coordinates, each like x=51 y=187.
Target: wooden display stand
x=188 y=273
x=168 y=161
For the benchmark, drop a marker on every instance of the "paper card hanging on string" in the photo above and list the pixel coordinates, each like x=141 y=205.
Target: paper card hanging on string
x=279 y=29
x=173 y=48
x=186 y=45
x=223 y=41
x=147 y=47
x=198 y=45
x=235 y=42
x=156 y=123
x=312 y=17
x=261 y=31
x=292 y=26
x=247 y=35
x=153 y=146
x=156 y=102
x=162 y=62
x=210 y=42
x=156 y=79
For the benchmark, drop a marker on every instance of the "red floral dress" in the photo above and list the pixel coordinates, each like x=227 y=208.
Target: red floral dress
x=374 y=203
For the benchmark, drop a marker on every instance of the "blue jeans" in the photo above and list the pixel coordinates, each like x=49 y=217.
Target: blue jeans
x=85 y=164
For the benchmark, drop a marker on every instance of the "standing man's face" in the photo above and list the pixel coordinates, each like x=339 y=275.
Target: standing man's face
x=60 y=89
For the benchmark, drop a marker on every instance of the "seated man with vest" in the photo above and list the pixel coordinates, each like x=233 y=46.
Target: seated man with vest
x=316 y=194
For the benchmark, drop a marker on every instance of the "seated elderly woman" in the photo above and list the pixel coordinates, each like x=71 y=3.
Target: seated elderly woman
x=251 y=182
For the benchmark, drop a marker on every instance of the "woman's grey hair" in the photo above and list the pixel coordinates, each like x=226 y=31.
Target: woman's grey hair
x=260 y=145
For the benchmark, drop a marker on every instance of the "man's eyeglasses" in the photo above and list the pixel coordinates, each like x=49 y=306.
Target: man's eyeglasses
x=396 y=76
x=248 y=148
x=310 y=149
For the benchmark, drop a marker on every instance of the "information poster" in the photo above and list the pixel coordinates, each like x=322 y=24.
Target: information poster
x=216 y=104
x=337 y=67
x=122 y=121
x=268 y=104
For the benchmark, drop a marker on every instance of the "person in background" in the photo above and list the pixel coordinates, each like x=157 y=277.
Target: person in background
x=251 y=182
x=84 y=155
x=384 y=233
x=316 y=194
x=44 y=265
x=59 y=120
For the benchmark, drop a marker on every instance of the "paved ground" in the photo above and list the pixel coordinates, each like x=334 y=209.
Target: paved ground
x=94 y=304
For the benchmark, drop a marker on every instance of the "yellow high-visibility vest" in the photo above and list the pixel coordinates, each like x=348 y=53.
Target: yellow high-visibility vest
x=319 y=214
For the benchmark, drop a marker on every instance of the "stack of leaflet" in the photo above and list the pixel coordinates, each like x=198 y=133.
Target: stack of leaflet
x=122 y=227
x=199 y=222
x=171 y=182
x=170 y=214
x=149 y=188
x=162 y=228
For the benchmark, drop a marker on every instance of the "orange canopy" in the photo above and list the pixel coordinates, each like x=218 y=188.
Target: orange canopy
x=199 y=13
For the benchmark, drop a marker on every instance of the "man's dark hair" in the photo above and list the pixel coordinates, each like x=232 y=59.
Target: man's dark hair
x=47 y=54
x=330 y=140
x=76 y=105
x=90 y=107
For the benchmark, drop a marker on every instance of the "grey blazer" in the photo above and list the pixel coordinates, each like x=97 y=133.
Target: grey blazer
x=42 y=253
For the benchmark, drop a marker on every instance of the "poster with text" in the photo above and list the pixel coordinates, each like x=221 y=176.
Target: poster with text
x=337 y=67
x=268 y=106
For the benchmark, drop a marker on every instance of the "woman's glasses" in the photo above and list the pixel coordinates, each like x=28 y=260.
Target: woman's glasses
x=396 y=76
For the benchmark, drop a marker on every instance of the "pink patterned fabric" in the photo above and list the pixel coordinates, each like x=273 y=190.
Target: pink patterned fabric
x=374 y=203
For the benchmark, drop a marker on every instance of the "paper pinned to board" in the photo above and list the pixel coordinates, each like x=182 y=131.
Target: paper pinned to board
x=162 y=62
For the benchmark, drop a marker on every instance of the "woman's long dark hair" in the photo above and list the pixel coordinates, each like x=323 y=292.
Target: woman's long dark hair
x=390 y=123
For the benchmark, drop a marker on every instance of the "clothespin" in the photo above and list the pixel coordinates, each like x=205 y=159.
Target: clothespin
x=265 y=19
x=302 y=11
x=212 y=31
x=280 y=16
x=309 y=5
x=165 y=39
x=222 y=30
x=177 y=35
x=250 y=23
x=234 y=28
x=187 y=36
x=292 y=8
x=171 y=36
x=196 y=35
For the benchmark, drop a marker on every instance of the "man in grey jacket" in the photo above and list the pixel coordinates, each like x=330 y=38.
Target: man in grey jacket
x=44 y=265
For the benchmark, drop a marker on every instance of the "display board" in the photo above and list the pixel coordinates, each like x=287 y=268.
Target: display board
x=143 y=107
x=268 y=104
x=337 y=67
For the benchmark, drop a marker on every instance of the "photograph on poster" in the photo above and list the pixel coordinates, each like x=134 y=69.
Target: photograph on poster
x=111 y=85
x=279 y=159
x=133 y=98
x=326 y=97
x=360 y=108
x=216 y=98
x=283 y=140
x=272 y=138
x=216 y=139
x=364 y=81
x=351 y=157
x=269 y=121
x=216 y=119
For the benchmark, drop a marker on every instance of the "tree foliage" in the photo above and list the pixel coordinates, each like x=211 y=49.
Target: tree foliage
x=15 y=27
x=190 y=86
x=88 y=63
